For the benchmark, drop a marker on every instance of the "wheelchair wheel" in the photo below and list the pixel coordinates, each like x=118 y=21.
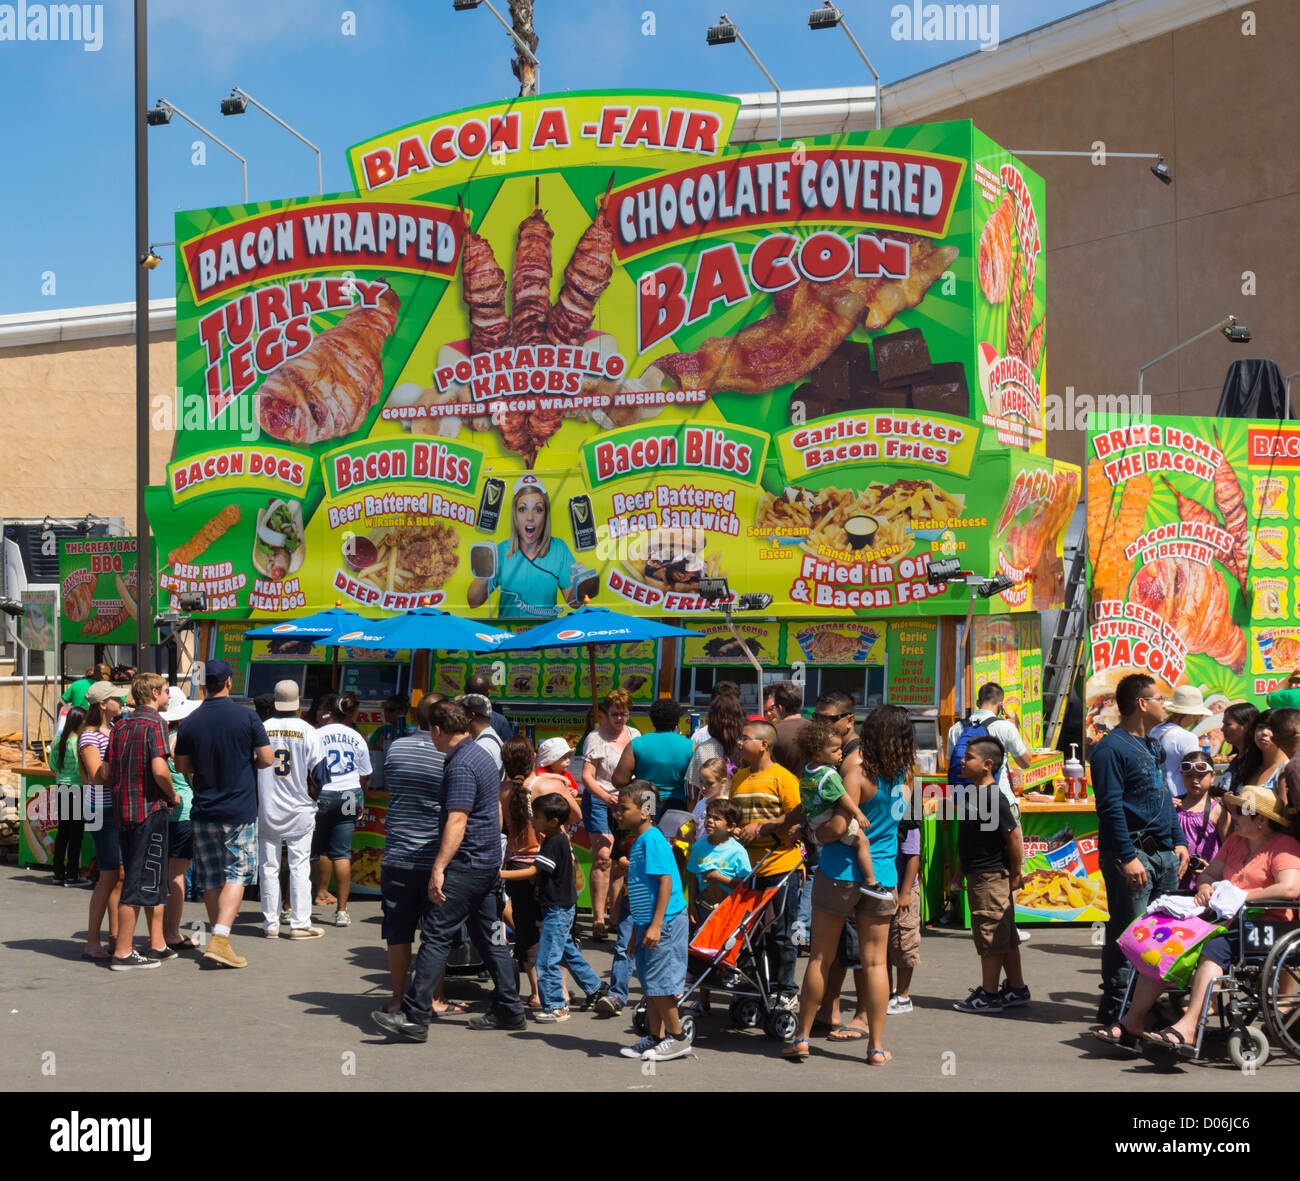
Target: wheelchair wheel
x=781 y=1025
x=641 y=1019
x=745 y=1013
x=1280 y=993
x=1248 y=1048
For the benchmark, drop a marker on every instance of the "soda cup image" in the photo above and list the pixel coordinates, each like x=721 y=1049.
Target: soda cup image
x=866 y=641
x=1265 y=642
x=1067 y=857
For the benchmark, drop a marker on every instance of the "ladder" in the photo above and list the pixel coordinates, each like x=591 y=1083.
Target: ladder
x=1063 y=656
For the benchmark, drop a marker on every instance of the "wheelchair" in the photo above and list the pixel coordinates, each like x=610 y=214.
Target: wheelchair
x=1262 y=985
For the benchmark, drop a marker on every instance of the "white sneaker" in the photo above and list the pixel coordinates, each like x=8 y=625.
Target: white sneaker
x=668 y=1049
x=286 y=915
x=899 y=1004
x=639 y=1049
x=1023 y=936
x=271 y=932
x=305 y=933
x=342 y=919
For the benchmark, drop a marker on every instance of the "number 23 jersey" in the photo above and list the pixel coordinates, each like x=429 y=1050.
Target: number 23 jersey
x=347 y=756
x=284 y=805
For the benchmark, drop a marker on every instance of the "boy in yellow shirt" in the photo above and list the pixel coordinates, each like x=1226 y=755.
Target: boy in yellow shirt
x=768 y=797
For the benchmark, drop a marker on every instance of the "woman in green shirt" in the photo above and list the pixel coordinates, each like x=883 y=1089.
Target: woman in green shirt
x=180 y=835
x=67 y=795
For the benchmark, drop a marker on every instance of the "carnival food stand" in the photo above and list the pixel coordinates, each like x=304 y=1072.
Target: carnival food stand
x=583 y=347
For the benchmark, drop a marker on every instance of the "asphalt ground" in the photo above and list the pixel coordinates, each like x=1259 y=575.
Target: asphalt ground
x=298 y=1019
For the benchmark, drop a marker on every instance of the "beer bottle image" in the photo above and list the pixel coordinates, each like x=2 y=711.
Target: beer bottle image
x=489 y=505
x=584 y=526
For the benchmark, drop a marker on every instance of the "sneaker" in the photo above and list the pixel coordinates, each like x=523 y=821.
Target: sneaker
x=551 y=1016
x=342 y=919
x=133 y=960
x=162 y=953
x=271 y=932
x=899 y=1004
x=219 y=951
x=980 y=1001
x=876 y=890
x=608 y=1005
x=493 y=1020
x=286 y=915
x=401 y=1025
x=1023 y=936
x=670 y=1048
x=1013 y=996
x=305 y=932
x=640 y=1048
x=592 y=999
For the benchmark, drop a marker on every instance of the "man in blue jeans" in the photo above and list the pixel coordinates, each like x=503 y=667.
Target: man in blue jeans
x=463 y=885
x=1142 y=849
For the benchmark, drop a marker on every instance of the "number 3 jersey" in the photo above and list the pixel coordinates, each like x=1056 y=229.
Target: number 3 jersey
x=347 y=756
x=284 y=806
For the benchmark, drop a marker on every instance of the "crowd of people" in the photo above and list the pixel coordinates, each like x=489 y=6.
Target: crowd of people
x=812 y=810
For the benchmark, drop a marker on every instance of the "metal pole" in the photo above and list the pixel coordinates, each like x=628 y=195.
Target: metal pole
x=1108 y=154
x=772 y=81
x=849 y=33
x=320 y=187
x=144 y=550
x=220 y=143
x=1224 y=323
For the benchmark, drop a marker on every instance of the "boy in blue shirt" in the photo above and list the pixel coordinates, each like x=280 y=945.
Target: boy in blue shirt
x=661 y=934
x=718 y=861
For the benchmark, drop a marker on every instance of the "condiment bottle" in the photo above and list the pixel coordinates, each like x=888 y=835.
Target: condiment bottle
x=1074 y=775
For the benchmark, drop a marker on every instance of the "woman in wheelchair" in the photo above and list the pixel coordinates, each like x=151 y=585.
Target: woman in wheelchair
x=1259 y=858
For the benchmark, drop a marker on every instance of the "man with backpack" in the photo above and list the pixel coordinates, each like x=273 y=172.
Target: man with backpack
x=986 y=721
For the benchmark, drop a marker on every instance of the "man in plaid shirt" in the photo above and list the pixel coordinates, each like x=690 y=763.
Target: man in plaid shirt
x=135 y=769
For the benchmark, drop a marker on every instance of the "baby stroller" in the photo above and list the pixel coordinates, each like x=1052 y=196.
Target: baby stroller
x=729 y=955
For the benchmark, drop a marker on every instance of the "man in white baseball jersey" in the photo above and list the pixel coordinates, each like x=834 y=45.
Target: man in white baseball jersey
x=286 y=812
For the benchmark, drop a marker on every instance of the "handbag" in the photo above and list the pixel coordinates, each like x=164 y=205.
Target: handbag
x=1165 y=947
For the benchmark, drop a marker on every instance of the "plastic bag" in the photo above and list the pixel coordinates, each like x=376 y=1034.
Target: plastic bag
x=1167 y=948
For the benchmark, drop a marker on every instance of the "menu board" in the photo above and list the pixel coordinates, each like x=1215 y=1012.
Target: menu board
x=1008 y=650
x=1194 y=559
x=761 y=639
x=98 y=592
x=912 y=662
x=582 y=347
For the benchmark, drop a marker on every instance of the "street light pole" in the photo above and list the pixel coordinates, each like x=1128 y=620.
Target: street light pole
x=771 y=81
x=320 y=187
x=1222 y=326
x=162 y=102
x=144 y=549
x=828 y=16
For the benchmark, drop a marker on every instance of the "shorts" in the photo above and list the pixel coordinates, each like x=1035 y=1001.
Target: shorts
x=144 y=861
x=595 y=815
x=337 y=813
x=102 y=826
x=526 y=913
x=224 y=854
x=1225 y=949
x=844 y=898
x=905 y=934
x=405 y=894
x=662 y=969
x=850 y=836
x=181 y=841
x=992 y=914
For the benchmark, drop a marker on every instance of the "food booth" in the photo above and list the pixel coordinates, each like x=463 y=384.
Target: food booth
x=583 y=347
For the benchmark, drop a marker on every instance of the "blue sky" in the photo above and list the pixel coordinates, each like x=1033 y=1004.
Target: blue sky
x=67 y=205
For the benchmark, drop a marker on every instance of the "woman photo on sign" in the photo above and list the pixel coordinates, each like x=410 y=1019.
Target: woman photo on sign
x=532 y=567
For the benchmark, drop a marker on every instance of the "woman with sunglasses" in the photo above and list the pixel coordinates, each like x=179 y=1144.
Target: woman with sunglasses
x=1204 y=821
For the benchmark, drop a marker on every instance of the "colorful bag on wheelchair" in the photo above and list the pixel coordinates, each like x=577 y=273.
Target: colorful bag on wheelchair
x=1165 y=947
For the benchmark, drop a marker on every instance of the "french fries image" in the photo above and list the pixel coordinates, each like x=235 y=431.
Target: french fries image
x=1050 y=889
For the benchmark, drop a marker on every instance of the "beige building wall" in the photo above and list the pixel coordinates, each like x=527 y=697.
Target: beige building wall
x=1135 y=267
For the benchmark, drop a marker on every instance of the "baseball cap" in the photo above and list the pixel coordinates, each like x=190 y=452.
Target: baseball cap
x=286 y=697
x=216 y=672
x=101 y=691
x=476 y=704
x=552 y=751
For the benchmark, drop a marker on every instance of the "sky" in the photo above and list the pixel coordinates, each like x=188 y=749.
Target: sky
x=340 y=72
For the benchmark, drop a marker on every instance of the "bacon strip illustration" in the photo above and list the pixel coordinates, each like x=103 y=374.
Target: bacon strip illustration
x=1231 y=503
x=810 y=322
x=328 y=389
x=1111 y=532
x=1193 y=600
x=585 y=279
x=530 y=283
x=484 y=285
x=995 y=250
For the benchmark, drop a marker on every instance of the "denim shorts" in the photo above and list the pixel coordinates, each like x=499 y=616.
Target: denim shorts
x=405 y=899
x=337 y=813
x=102 y=826
x=224 y=854
x=662 y=969
x=595 y=815
x=182 y=841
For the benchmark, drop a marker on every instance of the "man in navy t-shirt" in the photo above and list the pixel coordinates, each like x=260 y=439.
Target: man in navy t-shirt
x=222 y=745
x=463 y=884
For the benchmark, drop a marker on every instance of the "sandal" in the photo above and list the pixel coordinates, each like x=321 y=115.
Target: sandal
x=885 y=1056
x=97 y=959
x=793 y=1052
x=1115 y=1034
x=599 y=932
x=451 y=1007
x=186 y=944
x=847 y=1033
x=1167 y=1039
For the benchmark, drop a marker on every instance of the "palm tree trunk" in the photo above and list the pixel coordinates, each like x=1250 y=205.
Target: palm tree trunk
x=521 y=17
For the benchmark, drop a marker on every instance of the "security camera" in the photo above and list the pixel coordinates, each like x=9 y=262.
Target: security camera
x=1237 y=333
x=1160 y=170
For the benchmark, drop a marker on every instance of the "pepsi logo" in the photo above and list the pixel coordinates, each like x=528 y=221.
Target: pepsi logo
x=569 y=634
x=352 y=636
x=285 y=627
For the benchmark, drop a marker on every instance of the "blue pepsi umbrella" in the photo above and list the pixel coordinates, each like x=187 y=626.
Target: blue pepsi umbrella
x=315 y=627
x=592 y=626
x=427 y=627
